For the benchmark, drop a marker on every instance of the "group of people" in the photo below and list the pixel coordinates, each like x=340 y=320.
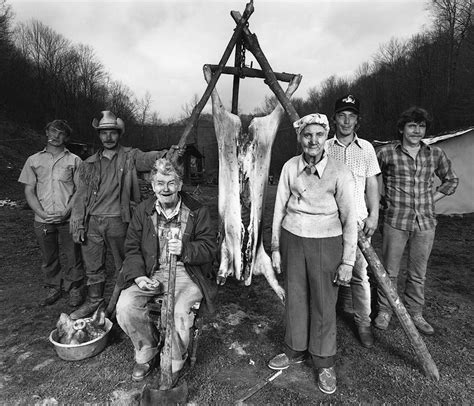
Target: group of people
x=323 y=196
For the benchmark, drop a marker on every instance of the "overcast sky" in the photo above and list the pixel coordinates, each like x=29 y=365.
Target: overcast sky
x=161 y=46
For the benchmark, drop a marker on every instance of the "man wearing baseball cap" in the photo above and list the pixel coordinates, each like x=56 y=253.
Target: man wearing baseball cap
x=107 y=192
x=359 y=155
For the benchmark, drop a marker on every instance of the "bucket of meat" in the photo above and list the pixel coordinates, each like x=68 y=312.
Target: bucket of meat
x=75 y=340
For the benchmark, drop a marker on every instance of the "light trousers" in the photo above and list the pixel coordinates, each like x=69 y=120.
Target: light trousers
x=420 y=243
x=132 y=316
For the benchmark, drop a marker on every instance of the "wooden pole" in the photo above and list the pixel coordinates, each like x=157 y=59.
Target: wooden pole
x=166 y=377
x=172 y=154
x=253 y=73
x=251 y=43
x=399 y=309
x=236 y=83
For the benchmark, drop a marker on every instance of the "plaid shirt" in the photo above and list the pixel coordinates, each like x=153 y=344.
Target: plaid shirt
x=409 y=203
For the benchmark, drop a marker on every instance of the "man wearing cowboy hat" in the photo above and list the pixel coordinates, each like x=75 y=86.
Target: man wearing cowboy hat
x=107 y=192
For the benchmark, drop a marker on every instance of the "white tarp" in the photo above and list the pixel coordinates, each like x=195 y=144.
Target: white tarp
x=459 y=147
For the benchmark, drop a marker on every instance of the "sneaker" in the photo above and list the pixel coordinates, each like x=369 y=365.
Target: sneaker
x=282 y=361
x=327 y=380
x=382 y=320
x=52 y=296
x=422 y=325
x=75 y=297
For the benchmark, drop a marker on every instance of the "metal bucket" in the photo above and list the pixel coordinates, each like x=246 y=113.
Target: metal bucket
x=76 y=352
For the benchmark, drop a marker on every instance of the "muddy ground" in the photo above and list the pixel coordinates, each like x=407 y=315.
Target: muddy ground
x=240 y=338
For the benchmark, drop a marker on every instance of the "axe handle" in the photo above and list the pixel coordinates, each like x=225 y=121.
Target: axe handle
x=166 y=377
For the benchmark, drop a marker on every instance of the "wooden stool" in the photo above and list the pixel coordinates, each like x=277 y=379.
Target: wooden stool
x=155 y=307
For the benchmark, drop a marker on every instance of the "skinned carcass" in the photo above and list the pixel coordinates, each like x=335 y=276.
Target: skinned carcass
x=244 y=163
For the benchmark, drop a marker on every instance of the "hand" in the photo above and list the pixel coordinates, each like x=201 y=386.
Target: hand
x=179 y=151
x=175 y=246
x=370 y=225
x=276 y=261
x=79 y=236
x=343 y=275
x=147 y=284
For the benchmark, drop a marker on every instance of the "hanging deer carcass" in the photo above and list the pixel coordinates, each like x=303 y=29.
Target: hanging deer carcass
x=244 y=163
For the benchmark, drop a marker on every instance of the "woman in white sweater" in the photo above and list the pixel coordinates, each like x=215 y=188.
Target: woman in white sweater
x=314 y=239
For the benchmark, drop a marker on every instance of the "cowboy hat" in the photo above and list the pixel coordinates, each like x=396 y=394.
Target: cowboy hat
x=109 y=122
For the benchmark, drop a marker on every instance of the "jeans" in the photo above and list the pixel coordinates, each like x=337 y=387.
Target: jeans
x=360 y=288
x=50 y=237
x=103 y=232
x=420 y=243
x=132 y=316
x=310 y=265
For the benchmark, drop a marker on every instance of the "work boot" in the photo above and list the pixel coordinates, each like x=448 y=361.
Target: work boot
x=75 y=296
x=365 y=335
x=422 y=325
x=382 y=320
x=95 y=296
x=52 y=296
x=141 y=371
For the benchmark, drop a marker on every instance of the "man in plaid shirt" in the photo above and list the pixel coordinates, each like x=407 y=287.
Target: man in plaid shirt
x=408 y=168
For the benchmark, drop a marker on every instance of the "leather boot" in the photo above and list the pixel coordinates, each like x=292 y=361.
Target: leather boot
x=95 y=296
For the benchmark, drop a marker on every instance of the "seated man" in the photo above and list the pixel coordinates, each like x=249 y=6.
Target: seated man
x=151 y=238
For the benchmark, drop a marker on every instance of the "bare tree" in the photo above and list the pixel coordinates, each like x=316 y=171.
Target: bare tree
x=143 y=109
x=188 y=107
x=453 y=17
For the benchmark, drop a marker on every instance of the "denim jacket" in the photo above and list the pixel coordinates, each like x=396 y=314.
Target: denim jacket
x=129 y=161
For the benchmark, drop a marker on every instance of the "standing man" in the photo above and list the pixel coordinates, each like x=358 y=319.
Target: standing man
x=50 y=182
x=359 y=155
x=408 y=170
x=108 y=190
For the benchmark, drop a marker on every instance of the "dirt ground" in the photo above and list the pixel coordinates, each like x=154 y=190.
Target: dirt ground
x=239 y=339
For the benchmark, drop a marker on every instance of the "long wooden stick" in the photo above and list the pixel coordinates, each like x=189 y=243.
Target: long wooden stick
x=207 y=93
x=251 y=43
x=166 y=377
x=253 y=73
x=399 y=309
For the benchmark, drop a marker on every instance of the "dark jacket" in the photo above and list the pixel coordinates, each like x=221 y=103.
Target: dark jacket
x=199 y=248
x=129 y=161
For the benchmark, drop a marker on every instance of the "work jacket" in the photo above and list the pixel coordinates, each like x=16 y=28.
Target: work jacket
x=129 y=161
x=142 y=249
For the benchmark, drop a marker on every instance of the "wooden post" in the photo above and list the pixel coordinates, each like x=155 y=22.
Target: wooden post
x=399 y=309
x=207 y=93
x=236 y=84
x=251 y=43
x=252 y=73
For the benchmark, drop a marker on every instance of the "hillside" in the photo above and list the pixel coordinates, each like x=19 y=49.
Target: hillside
x=16 y=144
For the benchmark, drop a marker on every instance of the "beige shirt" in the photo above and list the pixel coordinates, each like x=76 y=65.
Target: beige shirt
x=361 y=159
x=316 y=205
x=53 y=178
